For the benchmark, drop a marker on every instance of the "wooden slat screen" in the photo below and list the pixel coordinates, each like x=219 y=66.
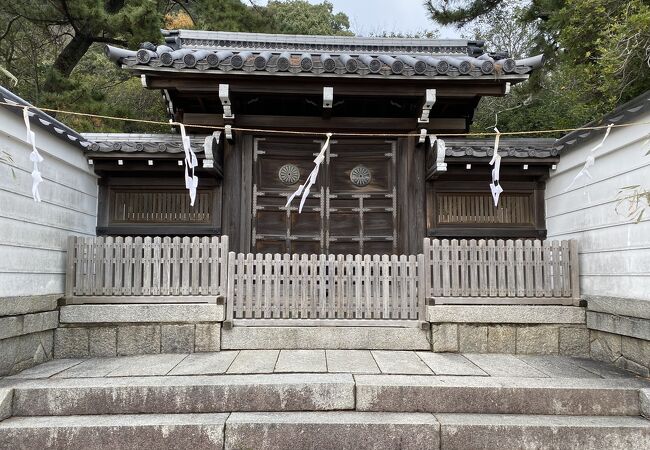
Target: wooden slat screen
x=164 y=207
x=478 y=208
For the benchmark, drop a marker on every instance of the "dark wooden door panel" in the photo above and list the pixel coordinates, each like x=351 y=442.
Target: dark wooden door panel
x=351 y=208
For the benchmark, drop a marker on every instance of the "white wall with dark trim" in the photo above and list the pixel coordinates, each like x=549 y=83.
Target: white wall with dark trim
x=614 y=250
x=33 y=235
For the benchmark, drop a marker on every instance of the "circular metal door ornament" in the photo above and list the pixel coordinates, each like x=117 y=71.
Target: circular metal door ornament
x=360 y=176
x=289 y=174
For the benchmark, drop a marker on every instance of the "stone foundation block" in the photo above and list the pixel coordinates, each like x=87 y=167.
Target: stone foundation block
x=539 y=340
x=71 y=343
x=177 y=338
x=574 y=341
x=637 y=350
x=6 y=399
x=102 y=341
x=626 y=326
x=472 y=339
x=138 y=339
x=207 y=337
x=506 y=314
x=502 y=339
x=605 y=346
x=15 y=306
x=444 y=337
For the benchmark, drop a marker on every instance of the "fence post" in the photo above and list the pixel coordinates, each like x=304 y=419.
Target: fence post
x=423 y=290
x=230 y=261
x=70 y=269
x=575 y=272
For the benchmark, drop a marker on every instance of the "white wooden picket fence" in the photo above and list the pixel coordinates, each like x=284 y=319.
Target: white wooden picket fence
x=324 y=289
x=502 y=272
x=321 y=289
x=146 y=270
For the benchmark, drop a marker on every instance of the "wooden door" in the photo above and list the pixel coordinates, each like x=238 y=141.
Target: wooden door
x=351 y=209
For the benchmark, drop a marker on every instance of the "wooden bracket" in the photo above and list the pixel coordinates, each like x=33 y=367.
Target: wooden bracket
x=224 y=96
x=423 y=136
x=429 y=101
x=438 y=149
x=328 y=101
x=209 y=146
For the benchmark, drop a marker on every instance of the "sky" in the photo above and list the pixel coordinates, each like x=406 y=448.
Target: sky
x=376 y=16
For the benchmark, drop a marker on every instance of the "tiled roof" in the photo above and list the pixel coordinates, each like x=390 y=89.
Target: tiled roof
x=205 y=51
x=623 y=114
x=145 y=143
x=455 y=147
x=43 y=120
x=508 y=147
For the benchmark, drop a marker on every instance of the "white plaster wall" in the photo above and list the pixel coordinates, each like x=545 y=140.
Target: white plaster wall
x=614 y=251
x=33 y=235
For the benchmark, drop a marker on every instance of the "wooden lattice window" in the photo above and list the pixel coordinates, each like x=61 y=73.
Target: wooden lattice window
x=478 y=208
x=160 y=207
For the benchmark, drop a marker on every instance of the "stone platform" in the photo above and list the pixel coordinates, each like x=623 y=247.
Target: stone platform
x=325 y=399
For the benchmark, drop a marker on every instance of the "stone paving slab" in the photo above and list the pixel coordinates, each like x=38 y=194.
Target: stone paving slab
x=601 y=369
x=147 y=365
x=92 y=368
x=400 y=363
x=301 y=361
x=498 y=365
x=450 y=364
x=331 y=430
x=557 y=366
x=205 y=364
x=254 y=361
x=351 y=361
x=488 y=431
x=160 y=431
x=47 y=369
x=184 y=394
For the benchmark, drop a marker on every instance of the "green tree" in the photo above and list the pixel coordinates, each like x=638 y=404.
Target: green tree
x=596 y=52
x=54 y=48
x=301 y=17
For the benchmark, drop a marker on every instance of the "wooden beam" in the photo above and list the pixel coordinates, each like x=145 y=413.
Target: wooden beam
x=450 y=124
x=467 y=88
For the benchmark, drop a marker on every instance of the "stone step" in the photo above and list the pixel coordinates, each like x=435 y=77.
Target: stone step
x=496 y=431
x=325 y=337
x=498 y=395
x=327 y=392
x=139 y=431
x=184 y=394
x=331 y=430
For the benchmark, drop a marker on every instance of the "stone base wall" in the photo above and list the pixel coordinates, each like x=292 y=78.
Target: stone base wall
x=72 y=341
x=530 y=330
x=119 y=330
x=528 y=339
x=27 y=327
x=620 y=332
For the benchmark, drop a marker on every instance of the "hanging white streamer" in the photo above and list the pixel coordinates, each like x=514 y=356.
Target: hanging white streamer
x=34 y=157
x=191 y=180
x=590 y=161
x=303 y=189
x=495 y=186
